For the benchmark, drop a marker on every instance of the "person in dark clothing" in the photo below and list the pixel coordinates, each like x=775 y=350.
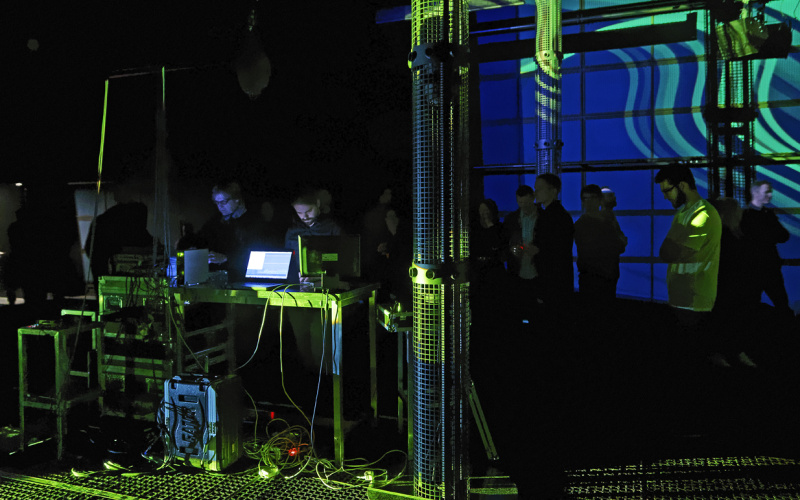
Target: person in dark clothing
x=276 y=218
x=396 y=251
x=599 y=247
x=307 y=328
x=373 y=232
x=518 y=236
x=553 y=243
x=40 y=241
x=609 y=203
x=230 y=238
x=486 y=239
x=487 y=273
x=122 y=226
x=736 y=307
x=310 y=221
x=762 y=228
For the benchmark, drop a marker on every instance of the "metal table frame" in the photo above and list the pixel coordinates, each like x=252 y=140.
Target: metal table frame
x=66 y=391
x=335 y=302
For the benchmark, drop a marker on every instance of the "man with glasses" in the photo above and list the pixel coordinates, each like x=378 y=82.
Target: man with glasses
x=691 y=250
x=691 y=247
x=229 y=238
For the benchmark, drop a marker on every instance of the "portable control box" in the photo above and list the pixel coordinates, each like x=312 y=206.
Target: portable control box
x=203 y=419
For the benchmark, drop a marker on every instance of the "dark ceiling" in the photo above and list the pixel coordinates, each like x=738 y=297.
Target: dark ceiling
x=338 y=103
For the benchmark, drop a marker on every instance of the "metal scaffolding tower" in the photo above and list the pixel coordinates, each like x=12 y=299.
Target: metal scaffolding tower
x=440 y=349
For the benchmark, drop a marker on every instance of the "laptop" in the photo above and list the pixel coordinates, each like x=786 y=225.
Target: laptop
x=269 y=268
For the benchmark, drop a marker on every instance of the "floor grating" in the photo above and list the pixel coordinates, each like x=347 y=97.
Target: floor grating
x=758 y=478
x=178 y=486
x=763 y=478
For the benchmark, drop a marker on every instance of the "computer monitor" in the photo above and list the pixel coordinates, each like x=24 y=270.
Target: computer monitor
x=333 y=258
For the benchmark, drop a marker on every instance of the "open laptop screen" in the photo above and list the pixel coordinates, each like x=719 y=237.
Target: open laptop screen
x=268 y=265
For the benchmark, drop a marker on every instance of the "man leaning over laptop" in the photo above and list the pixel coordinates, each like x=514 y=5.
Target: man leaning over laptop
x=230 y=236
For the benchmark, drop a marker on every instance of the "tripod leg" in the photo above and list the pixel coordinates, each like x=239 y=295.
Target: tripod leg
x=480 y=422
x=402 y=393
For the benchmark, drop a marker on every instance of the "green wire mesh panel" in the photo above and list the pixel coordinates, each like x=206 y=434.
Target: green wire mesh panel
x=426 y=26
x=428 y=383
x=548 y=85
x=428 y=228
x=441 y=244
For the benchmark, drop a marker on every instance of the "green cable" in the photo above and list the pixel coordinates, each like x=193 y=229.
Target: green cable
x=102 y=137
x=163 y=87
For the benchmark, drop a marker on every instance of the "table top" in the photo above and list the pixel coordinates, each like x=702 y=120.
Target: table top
x=287 y=296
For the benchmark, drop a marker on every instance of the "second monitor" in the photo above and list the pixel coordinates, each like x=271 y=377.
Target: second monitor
x=334 y=259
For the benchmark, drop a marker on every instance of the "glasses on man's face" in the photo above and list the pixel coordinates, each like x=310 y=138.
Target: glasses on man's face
x=222 y=202
x=665 y=191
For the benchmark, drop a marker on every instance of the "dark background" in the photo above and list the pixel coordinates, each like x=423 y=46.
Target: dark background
x=336 y=112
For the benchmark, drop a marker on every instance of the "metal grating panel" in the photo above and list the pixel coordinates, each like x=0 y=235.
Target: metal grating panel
x=764 y=478
x=178 y=486
x=735 y=93
x=731 y=116
x=29 y=491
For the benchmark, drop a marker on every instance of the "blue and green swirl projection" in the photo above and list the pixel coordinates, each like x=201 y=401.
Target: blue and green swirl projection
x=641 y=103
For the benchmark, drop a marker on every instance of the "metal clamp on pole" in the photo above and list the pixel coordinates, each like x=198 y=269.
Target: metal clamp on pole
x=439 y=274
x=550 y=56
x=543 y=144
x=439 y=52
x=422 y=55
